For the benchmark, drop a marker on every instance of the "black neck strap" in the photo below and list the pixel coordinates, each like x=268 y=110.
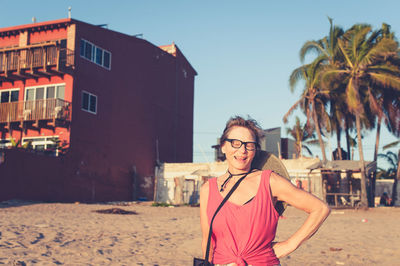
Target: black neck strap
x=230 y=176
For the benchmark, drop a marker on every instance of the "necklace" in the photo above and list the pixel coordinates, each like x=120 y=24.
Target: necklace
x=223 y=186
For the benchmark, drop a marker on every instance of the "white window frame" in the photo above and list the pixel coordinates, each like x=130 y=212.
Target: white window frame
x=44 y=142
x=94 y=54
x=88 y=110
x=45 y=90
x=5 y=145
x=10 y=90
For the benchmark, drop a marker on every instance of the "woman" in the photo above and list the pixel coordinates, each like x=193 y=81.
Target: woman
x=244 y=228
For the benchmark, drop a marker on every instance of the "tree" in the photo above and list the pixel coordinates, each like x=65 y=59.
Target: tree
x=302 y=136
x=337 y=118
x=327 y=47
x=397 y=179
x=385 y=100
x=328 y=53
x=391 y=145
x=392 y=159
x=312 y=100
x=363 y=69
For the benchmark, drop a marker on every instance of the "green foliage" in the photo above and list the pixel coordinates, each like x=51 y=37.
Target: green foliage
x=60 y=147
x=357 y=73
x=160 y=204
x=302 y=135
x=392 y=159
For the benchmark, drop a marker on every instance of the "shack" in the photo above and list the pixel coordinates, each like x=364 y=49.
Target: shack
x=341 y=180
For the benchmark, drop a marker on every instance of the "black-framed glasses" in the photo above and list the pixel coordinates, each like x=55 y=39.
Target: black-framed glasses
x=248 y=145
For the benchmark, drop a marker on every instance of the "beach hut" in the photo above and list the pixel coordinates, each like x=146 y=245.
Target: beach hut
x=341 y=181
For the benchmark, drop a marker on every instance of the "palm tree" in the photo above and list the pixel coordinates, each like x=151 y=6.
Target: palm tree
x=326 y=47
x=337 y=117
x=312 y=100
x=393 y=160
x=363 y=69
x=302 y=135
x=328 y=54
x=397 y=179
x=384 y=101
x=391 y=145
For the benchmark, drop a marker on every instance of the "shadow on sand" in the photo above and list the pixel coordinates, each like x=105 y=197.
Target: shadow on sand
x=17 y=203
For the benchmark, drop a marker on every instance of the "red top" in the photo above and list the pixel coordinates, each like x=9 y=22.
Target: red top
x=243 y=234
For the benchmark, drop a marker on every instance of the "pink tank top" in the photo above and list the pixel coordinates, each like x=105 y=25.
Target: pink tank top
x=243 y=234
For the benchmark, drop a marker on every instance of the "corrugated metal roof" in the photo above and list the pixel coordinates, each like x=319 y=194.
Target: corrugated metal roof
x=342 y=165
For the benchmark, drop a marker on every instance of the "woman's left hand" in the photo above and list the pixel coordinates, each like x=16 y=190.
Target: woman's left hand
x=283 y=248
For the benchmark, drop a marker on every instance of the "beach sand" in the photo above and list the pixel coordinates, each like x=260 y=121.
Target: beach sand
x=74 y=234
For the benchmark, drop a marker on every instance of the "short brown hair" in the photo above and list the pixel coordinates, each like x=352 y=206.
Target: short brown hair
x=238 y=121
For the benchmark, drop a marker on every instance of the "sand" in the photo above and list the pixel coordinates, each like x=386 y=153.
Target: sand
x=73 y=234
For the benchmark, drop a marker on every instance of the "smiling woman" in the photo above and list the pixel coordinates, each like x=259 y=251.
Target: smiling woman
x=243 y=231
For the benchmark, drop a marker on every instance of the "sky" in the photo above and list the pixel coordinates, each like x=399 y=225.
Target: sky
x=243 y=51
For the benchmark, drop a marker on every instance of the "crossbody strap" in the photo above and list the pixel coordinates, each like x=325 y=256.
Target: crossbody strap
x=219 y=207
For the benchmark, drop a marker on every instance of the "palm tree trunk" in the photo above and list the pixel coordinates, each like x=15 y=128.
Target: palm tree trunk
x=349 y=157
x=301 y=149
x=364 y=199
x=321 y=142
x=398 y=166
x=395 y=197
x=378 y=134
x=373 y=181
x=339 y=148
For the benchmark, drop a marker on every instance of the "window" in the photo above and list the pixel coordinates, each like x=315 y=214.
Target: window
x=82 y=48
x=95 y=54
x=8 y=96
x=89 y=102
x=5 y=143
x=88 y=51
x=99 y=56
x=38 y=98
x=107 y=60
x=45 y=92
x=47 y=144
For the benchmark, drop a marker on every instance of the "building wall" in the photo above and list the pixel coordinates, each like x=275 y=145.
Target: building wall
x=144 y=113
x=139 y=110
x=30 y=131
x=288 y=148
x=271 y=141
x=179 y=183
x=33 y=176
x=25 y=37
x=9 y=41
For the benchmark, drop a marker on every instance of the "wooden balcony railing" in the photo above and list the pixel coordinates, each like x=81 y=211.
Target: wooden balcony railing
x=43 y=57
x=45 y=109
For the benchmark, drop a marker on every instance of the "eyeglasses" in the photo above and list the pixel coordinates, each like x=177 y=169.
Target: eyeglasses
x=249 y=146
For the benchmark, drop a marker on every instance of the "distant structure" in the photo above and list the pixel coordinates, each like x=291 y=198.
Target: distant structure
x=86 y=113
x=272 y=142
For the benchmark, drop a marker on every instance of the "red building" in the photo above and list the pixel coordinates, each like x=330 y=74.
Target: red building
x=91 y=110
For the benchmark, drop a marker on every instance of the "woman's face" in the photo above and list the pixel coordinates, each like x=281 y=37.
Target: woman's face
x=239 y=159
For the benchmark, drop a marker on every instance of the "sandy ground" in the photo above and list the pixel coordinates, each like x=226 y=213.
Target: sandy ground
x=73 y=234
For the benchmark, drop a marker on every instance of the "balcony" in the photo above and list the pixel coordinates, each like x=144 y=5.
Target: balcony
x=34 y=61
x=48 y=110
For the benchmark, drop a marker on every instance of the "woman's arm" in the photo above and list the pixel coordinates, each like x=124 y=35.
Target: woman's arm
x=318 y=211
x=205 y=227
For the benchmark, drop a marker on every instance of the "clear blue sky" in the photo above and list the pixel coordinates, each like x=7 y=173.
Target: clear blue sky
x=243 y=51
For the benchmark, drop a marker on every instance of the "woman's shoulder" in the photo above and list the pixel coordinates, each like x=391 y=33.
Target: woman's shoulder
x=205 y=188
x=257 y=173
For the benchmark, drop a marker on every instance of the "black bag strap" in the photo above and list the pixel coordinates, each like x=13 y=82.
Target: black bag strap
x=219 y=207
